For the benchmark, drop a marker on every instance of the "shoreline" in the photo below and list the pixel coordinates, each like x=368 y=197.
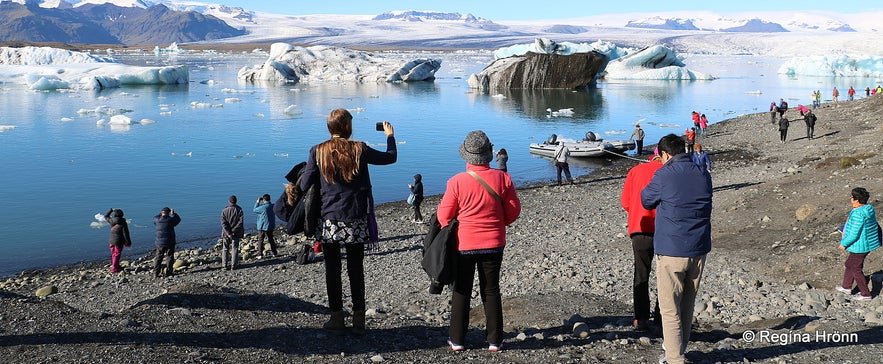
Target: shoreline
x=772 y=268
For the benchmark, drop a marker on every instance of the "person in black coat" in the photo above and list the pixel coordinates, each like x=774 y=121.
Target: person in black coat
x=119 y=237
x=417 y=190
x=165 y=224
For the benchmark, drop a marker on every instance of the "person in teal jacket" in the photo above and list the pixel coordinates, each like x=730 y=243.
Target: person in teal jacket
x=861 y=235
x=266 y=223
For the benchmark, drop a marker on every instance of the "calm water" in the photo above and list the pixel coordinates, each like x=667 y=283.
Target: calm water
x=60 y=168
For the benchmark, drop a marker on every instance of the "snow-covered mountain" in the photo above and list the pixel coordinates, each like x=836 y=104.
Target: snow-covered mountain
x=762 y=32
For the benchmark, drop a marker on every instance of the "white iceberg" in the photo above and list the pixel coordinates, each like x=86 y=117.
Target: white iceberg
x=289 y=63
x=45 y=68
x=547 y=46
x=4 y=128
x=836 y=66
x=652 y=63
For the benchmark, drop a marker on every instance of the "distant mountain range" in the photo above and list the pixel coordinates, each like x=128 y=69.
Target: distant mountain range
x=108 y=24
x=150 y=22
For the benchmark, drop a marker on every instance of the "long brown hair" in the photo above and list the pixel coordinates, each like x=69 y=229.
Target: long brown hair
x=339 y=156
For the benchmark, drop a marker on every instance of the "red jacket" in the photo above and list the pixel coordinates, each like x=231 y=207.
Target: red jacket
x=641 y=220
x=482 y=219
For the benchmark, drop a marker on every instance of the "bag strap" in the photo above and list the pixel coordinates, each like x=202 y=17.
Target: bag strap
x=486 y=186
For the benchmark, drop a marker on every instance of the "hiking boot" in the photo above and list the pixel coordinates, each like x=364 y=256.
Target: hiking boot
x=359 y=322
x=335 y=323
x=641 y=325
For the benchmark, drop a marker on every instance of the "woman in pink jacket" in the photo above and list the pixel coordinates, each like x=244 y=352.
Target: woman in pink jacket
x=482 y=216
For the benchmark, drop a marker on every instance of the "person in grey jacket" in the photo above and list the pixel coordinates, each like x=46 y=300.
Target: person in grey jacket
x=165 y=224
x=119 y=237
x=266 y=224
x=681 y=193
x=232 y=231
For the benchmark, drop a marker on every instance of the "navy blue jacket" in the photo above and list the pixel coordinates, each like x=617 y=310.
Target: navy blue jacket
x=165 y=229
x=680 y=192
x=347 y=201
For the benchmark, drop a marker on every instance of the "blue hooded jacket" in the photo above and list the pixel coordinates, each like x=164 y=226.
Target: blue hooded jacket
x=861 y=235
x=266 y=216
x=680 y=192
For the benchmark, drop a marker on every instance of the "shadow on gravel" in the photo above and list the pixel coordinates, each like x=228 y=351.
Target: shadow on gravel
x=192 y=296
x=735 y=186
x=300 y=341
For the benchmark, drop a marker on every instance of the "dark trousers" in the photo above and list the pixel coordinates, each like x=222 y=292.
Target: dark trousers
x=855 y=265
x=230 y=252
x=809 y=132
x=355 y=269
x=783 y=135
x=270 y=240
x=161 y=252
x=488 y=266
x=562 y=166
x=639 y=145
x=642 y=246
x=417 y=215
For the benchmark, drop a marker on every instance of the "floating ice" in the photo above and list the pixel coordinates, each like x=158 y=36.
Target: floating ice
x=99 y=223
x=652 y=63
x=292 y=110
x=232 y=90
x=200 y=105
x=65 y=119
x=146 y=121
x=547 y=46
x=4 y=128
x=120 y=120
x=231 y=100
x=561 y=112
x=837 y=66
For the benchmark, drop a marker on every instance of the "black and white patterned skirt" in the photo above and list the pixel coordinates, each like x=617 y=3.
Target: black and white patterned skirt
x=345 y=232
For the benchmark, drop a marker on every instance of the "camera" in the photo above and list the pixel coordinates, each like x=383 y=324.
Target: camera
x=379 y=126
x=436 y=287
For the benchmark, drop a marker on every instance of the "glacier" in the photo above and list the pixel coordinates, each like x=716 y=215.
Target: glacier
x=291 y=64
x=834 y=65
x=46 y=68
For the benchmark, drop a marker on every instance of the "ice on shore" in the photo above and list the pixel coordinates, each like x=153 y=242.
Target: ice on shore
x=45 y=68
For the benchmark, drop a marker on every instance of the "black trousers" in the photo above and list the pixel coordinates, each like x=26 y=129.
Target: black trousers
x=488 y=267
x=783 y=135
x=639 y=145
x=270 y=240
x=355 y=269
x=417 y=215
x=161 y=252
x=809 y=131
x=561 y=166
x=642 y=246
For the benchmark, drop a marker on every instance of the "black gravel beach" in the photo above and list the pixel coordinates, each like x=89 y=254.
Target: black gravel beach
x=767 y=294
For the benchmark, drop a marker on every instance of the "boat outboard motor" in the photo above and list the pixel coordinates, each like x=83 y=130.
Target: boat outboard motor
x=552 y=139
x=591 y=137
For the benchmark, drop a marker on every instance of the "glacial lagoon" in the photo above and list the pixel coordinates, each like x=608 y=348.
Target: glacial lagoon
x=216 y=136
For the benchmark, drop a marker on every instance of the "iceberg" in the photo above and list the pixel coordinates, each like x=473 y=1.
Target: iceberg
x=837 y=66
x=4 y=128
x=292 y=64
x=45 y=68
x=547 y=46
x=652 y=63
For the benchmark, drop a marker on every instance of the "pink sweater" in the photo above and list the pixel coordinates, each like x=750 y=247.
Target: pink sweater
x=482 y=219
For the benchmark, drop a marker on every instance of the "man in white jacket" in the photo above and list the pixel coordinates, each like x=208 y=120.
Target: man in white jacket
x=561 y=156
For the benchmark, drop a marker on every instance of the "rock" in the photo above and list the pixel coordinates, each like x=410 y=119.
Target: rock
x=580 y=330
x=804 y=286
x=46 y=291
x=804 y=211
x=180 y=311
x=377 y=358
x=179 y=263
x=643 y=340
x=521 y=336
x=540 y=71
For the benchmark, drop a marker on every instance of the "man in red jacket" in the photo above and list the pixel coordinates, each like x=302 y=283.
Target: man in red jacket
x=641 y=227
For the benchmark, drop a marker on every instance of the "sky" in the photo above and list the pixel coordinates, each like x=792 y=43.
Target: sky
x=538 y=10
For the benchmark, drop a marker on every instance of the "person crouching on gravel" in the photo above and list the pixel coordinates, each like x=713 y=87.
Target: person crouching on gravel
x=861 y=235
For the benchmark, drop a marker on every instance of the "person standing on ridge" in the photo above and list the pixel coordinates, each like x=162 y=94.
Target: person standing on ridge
x=774 y=110
x=562 y=154
x=703 y=125
x=783 y=107
x=638 y=137
x=165 y=224
x=861 y=235
x=417 y=190
x=340 y=165
x=681 y=194
x=232 y=232
x=484 y=201
x=119 y=237
x=850 y=94
x=502 y=158
x=810 y=120
x=783 y=129
x=835 y=94
x=641 y=226
x=266 y=223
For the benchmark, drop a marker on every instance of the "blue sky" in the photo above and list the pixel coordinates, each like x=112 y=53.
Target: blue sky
x=538 y=10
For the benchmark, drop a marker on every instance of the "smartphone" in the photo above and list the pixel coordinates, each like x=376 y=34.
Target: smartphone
x=379 y=126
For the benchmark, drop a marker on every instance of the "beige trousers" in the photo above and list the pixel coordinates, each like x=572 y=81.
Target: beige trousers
x=677 y=280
